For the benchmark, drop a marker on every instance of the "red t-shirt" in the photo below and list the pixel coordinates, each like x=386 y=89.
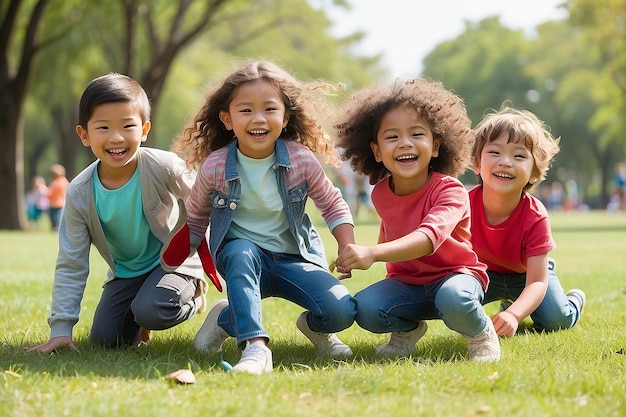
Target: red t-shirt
x=441 y=210
x=505 y=247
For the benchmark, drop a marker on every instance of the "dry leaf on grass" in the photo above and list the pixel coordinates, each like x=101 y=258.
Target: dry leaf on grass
x=182 y=376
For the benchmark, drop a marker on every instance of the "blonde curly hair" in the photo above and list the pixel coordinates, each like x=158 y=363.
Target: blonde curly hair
x=520 y=126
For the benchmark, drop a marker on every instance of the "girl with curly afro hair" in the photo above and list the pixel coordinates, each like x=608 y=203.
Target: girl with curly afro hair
x=412 y=139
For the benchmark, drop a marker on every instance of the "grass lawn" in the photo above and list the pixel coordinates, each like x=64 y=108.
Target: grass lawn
x=577 y=372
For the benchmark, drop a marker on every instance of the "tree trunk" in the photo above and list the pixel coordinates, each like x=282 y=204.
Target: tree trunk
x=12 y=210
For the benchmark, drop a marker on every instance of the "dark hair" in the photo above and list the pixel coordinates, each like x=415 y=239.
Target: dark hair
x=444 y=111
x=112 y=88
x=206 y=132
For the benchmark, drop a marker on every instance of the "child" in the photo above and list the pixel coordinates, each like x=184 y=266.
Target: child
x=254 y=142
x=412 y=139
x=36 y=201
x=124 y=204
x=56 y=194
x=511 y=228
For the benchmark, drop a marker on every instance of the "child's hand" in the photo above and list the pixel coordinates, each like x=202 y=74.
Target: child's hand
x=53 y=344
x=505 y=324
x=354 y=257
x=333 y=267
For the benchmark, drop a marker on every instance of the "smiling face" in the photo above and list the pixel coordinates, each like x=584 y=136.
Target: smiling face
x=256 y=115
x=405 y=145
x=114 y=132
x=505 y=167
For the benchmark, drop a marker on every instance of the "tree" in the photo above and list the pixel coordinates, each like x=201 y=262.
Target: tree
x=14 y=81
x=484 y=65
x=144 y=40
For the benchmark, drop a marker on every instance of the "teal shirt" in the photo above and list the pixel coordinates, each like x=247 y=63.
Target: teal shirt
x=260 y=216
x=134 y=247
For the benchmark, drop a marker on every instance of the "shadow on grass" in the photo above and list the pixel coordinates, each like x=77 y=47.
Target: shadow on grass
x=165 y=356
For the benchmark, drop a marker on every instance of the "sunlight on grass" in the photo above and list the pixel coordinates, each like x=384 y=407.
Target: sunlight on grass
x=578 y=372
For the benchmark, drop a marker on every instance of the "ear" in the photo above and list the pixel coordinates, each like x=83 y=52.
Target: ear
x=376 y=151
x=225 y=118
x=476 y=163
x=145 y=129
x=82 y=134
x=436 y=145
x=286 y=120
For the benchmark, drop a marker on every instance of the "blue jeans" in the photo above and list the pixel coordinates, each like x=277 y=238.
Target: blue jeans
x=391 y=306
x=252 y=273
x=555 y=311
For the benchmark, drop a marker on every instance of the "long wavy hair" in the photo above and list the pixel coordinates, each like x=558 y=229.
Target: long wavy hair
x=206 y=132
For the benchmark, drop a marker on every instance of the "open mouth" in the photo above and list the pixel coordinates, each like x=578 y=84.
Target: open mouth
x=406 y=158
x=258 y=133
x=116 y=153
x=503 y=176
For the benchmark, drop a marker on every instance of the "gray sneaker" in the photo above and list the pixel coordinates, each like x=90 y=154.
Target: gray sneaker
x=485 y=347
x=256 y=359
x=327 y=344
x=402 y=343
x=577 y=297
x=211 y=336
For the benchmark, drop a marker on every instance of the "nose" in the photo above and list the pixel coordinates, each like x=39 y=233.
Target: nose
x=505 y=161
x=405 y=141
x=257 y=117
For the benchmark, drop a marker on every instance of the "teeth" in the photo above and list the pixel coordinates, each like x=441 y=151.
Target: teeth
x=504 y=176
x=406 y=157
x=116 y=151
x=257 y=132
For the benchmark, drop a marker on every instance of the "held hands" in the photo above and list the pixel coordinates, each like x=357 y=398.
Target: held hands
x=505 y=324
x=53 y=344
x=354 y=257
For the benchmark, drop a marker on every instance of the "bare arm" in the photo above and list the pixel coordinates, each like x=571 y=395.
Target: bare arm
x=506 y=322
x=414 y=245
x=344 y=234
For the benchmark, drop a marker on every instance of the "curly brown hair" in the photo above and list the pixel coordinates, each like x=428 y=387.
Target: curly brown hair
x=520 y=126
x=444 y=111
x=206 y=132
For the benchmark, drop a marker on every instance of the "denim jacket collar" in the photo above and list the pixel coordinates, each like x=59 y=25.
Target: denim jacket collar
x=280 y=150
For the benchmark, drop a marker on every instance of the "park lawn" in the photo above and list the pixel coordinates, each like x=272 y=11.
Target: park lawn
x=577 y=372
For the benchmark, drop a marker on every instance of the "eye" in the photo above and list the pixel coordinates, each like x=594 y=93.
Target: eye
x=271 y=109
x=102 y=128
x=129 y=126
x=245 y=111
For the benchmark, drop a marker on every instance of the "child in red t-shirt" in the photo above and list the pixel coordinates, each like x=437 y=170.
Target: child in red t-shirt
x=412 y=139
x=510 y=227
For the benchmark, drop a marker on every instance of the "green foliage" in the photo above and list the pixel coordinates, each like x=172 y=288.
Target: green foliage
x=576 y=372
x=484 y=65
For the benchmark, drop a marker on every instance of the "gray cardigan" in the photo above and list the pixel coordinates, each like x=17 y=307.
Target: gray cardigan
x=163 y=178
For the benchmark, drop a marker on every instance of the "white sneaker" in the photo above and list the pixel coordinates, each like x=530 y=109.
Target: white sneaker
x=327 y=344
x=402 y=343
x=577 y=297
x=485 y=347
x=256 y=359
x=211 y=336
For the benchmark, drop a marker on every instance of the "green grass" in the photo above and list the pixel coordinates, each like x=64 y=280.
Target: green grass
x=577 y=372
